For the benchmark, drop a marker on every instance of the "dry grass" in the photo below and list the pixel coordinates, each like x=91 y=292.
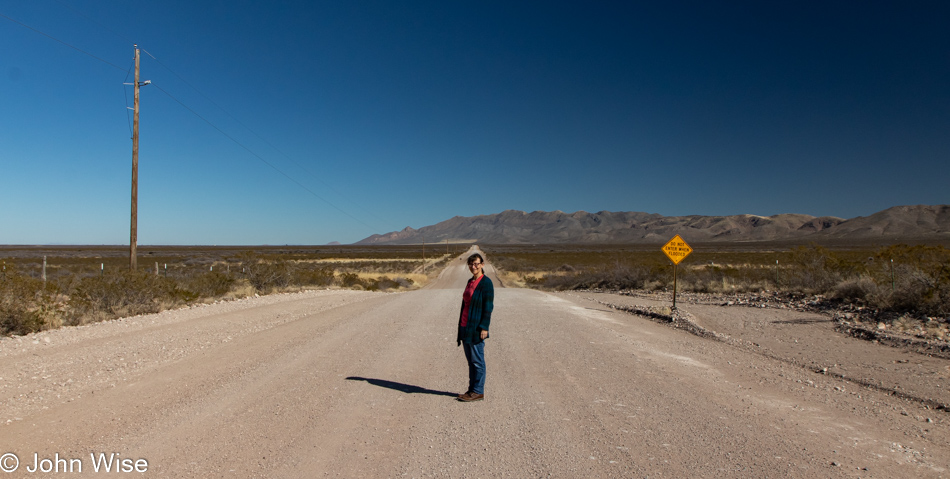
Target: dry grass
x=417 y=279
x=88 y=284
x=241 y=289
x=914 y=280
x=361 y=260
x=927 y=328
x=525 y=280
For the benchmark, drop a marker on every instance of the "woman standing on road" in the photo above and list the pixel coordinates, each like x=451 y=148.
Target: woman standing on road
x=473 y=326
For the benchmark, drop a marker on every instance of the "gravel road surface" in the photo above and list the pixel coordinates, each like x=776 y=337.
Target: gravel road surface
x=358 y=384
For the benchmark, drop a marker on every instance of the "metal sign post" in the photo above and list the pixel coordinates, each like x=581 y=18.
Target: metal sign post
x=676 y=250
x=673 y=308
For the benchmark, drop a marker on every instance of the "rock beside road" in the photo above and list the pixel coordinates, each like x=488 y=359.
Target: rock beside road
x=925 y=335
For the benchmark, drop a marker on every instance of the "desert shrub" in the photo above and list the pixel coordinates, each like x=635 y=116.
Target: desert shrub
x=704 y=279
x=385 y=283
x=240 y=289
x=613 y=276
x=313 y=276
x=814 y=269
x=726 y=279
x=122 y=293
x=915 y=290
x=19 y=321
x=377 y=266
x=27 y=305
x=511 y=263
x=856 y=290
x=265 y=274
x=210 y=284
x=349 y=280
x=914 y=278
x=78 y=292
x=622 y=276
x=353 y=280
x=700 y=286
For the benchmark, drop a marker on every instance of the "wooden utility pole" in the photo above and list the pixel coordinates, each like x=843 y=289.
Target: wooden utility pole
x=133 y=236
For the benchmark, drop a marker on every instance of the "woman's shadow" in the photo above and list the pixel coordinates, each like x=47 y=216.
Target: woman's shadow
x=406 y=388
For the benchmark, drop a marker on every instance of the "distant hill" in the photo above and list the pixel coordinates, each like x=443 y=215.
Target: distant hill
x=900 y=223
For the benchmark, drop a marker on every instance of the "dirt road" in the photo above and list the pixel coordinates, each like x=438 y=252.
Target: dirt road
x=359 y=384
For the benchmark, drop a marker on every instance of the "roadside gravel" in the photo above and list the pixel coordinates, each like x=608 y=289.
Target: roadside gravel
x=810 y=341
x=65 y=364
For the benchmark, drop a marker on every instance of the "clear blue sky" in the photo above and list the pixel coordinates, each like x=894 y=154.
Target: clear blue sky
x=361 y=117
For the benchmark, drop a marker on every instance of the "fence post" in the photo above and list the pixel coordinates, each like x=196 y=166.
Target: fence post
x=156 y=268
x=893 y=282
x=44 y=269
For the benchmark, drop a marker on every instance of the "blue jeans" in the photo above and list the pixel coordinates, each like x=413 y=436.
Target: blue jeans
x=475 y=354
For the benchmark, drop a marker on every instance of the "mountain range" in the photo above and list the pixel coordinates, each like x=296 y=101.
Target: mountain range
x=900 y=223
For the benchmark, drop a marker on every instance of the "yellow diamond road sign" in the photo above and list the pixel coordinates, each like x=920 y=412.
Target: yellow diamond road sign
x=677 y=249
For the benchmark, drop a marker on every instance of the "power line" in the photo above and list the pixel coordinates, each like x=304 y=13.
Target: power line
x=201 y=117
x=80 y=50
x=226 y=112
x=278 y=150
x=87 y=17
x=126 y=92
x=259 y=157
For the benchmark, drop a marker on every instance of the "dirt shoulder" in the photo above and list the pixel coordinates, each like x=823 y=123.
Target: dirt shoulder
x=811 y=341
x=40 y=370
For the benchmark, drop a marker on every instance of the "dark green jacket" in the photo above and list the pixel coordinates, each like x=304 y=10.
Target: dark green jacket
x=479 y=313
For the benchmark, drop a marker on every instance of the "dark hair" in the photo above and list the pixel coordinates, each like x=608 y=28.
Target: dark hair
x=471 y=259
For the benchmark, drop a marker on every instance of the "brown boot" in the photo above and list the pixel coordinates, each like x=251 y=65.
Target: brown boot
x=471 y=396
